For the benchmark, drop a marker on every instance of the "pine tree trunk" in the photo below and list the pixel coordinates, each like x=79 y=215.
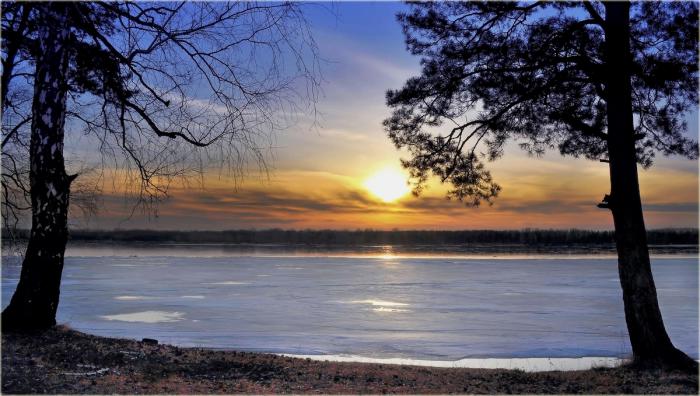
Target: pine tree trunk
x=651 y=344
x=34 y=304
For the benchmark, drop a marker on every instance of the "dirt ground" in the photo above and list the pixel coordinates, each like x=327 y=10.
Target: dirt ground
x=68 y=362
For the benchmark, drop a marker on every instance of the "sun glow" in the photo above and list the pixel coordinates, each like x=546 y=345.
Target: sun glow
x=388 y=184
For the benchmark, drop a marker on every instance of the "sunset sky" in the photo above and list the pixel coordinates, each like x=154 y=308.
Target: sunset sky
x=319 y=174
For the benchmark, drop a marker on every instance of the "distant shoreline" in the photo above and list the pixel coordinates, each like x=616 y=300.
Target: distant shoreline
x=526 y=237
x=445 y=251
x=106 y=248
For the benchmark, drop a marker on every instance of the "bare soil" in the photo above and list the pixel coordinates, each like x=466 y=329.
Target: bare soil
x=68 y=362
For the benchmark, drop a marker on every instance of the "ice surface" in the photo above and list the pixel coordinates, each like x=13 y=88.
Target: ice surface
x=146 y=317
x=525 y=364
x=132 y=298
x=455 y=307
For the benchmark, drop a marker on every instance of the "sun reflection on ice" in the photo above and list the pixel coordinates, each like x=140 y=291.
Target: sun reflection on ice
x=387 y=253
x=383 y=305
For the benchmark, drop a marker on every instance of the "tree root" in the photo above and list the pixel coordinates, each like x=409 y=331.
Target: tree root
x=674 y=359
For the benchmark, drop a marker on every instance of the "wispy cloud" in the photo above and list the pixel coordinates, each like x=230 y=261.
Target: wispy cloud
x=342 y=135
x=370 y=64
x=683 y=207
x=296 y=198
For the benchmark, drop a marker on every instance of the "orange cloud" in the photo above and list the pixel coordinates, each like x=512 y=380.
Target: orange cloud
x=535 y=194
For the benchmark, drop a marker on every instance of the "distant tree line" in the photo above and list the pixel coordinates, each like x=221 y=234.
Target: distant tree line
x=370 y=236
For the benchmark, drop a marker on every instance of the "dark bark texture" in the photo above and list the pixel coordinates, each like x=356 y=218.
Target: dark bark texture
x=651 y=344
x=34 y=304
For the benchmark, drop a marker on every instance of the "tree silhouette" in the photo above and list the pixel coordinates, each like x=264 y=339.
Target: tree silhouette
x=161 y=90
x=609 y=81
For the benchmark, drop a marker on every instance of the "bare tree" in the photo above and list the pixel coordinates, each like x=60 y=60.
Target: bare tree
x=160 y=90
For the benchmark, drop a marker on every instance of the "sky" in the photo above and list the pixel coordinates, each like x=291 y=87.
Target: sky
x=318 y=172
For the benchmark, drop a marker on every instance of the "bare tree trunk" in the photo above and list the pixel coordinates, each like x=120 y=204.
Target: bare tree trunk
x=34 y=304
x=651 y=344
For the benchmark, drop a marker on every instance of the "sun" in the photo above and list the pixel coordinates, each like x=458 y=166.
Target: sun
x=388 y=184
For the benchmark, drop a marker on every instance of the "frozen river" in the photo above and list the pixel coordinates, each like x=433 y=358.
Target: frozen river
x=431 y=307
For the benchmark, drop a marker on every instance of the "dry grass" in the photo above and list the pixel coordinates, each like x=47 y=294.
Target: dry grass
x=66 y=361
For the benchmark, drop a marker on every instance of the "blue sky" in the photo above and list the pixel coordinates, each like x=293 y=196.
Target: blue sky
x=317 y=170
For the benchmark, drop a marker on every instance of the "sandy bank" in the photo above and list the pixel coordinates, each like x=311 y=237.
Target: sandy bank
x=66 y=361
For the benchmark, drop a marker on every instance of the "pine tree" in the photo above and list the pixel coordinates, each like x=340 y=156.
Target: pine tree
x=609 y=81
